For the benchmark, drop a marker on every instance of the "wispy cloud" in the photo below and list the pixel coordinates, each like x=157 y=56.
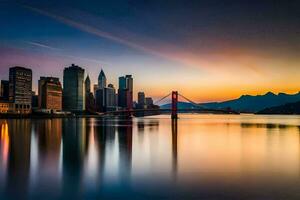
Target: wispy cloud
x=37 y=44
x=58 y=52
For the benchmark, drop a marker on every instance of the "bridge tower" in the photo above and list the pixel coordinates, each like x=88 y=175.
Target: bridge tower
x=174 y=104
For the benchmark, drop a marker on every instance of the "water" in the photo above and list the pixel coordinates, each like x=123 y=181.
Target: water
x=197 y=156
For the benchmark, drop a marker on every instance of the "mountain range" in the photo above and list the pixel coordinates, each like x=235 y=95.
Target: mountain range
x=287 y=109
x=246 y=103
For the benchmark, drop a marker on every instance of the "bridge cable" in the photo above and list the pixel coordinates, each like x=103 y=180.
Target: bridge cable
x=156 y=102
x=190 y=101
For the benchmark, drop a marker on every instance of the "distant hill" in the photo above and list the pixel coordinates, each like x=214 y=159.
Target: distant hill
x=249 y=103
x=289 y=108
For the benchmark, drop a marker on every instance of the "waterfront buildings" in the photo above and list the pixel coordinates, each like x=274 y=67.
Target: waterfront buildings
x=101 y=80
x=125 y=92
x=87 y=84
x=110 y=98
x=75 y=95
x=50 y=94
x=73 y=90
x=20 y=89
x=89 y=97
x=100 y=92
x=100 y=100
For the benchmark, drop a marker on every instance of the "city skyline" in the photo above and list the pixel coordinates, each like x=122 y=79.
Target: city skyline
x=253 y=51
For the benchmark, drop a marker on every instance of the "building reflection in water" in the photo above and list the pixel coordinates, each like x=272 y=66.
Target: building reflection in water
x=125 y=149
x=45 y=155
x=91 y=160
x=4 y=150
x=17 y=181
x=74 y=141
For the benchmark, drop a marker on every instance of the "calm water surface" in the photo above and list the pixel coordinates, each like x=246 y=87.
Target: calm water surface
x=196 y=156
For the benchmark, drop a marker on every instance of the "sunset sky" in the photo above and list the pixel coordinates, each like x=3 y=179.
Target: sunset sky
x=207 y=50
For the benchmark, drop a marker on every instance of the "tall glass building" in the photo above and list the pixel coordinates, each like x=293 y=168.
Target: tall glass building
x=101 y=80
x=20 y=89
x=73 y=90
x=125 y=92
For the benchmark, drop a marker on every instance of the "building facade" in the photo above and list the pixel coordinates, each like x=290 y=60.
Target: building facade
x=101 y=80
x=73 y=88
x=89 y=97
x=125 y=92
x=5 y=106
x=50 y=94
x=110 y=98
x=100 y=100
x=20 y=89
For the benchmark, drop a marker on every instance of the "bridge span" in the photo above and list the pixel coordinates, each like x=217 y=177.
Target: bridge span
x=173 y=110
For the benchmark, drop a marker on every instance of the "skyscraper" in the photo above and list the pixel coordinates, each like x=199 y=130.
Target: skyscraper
x=100 y=92
x=89 y=97
x=125 y=92
x=20 y=89
x=141 y=100
x=110 y=98
x=50 y=93
x=100 y=104
x=87 y=83
x=129 y=92
x=101 y=80
x=122 y=92
x=73 y=91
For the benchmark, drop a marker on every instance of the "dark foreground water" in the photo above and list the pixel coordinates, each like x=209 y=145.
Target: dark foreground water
x=197 y=156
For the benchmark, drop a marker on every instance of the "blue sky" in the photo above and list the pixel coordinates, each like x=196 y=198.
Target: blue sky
x=192 y=46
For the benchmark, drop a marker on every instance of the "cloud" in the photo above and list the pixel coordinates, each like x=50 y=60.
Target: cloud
x=42 y=45
x=58 y=50
x=214 y=63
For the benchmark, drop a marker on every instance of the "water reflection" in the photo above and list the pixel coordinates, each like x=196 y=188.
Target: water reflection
x=17 y=180
x=174 y=148
x=195 y=156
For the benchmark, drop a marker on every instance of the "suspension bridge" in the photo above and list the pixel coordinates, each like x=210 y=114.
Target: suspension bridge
x=173 y=110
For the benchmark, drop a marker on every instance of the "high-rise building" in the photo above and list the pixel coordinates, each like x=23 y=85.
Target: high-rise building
x=73 y=91
x=101 y=80
x=122 y=92
x=110 y=98
x=100 y=100
x=125 y=92
x=100 y=92
x=87 y=84
x=141 y=100
x=4 y=89
x=20 y=89
x=89 y=97
x=50 y=93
